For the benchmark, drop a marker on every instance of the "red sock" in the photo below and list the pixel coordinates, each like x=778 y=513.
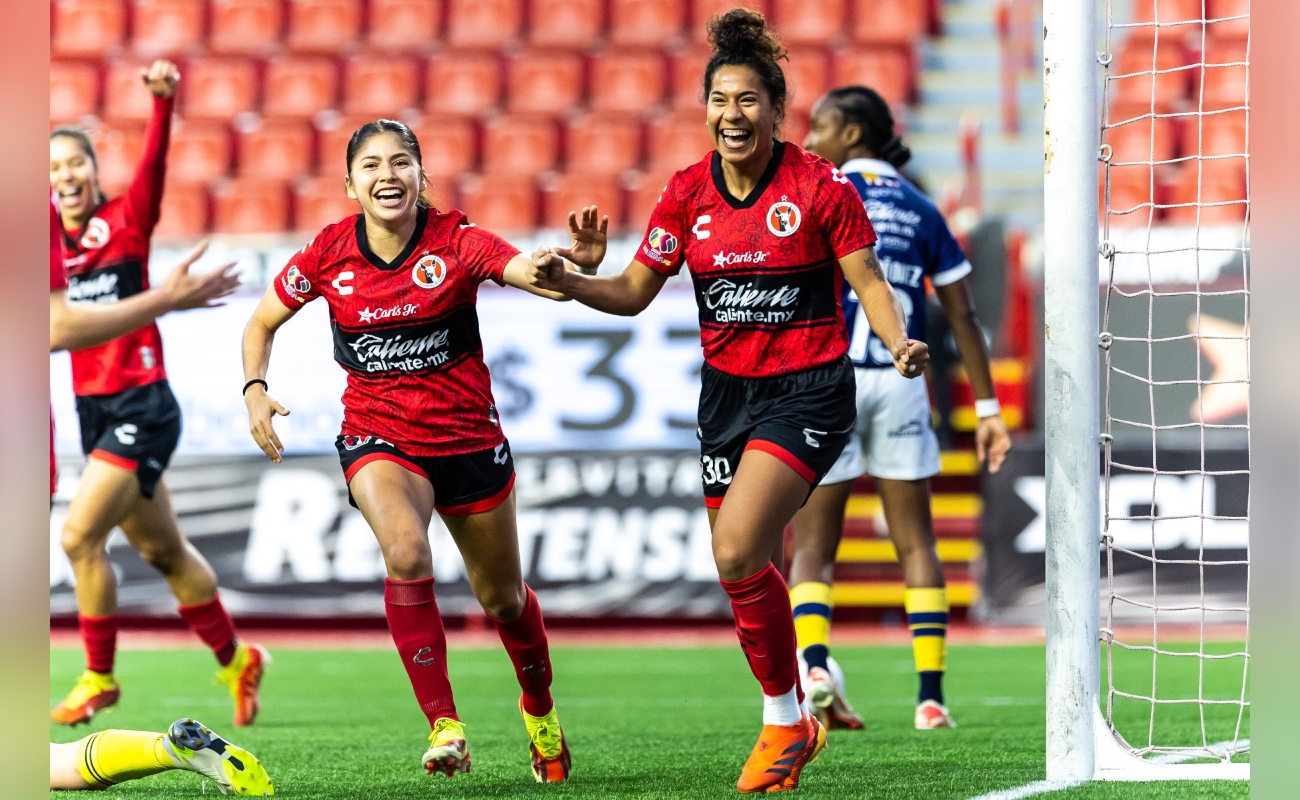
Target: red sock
x=99 y=637
x=416 y=626
x=214 y=626
x=765 y=624
x=525 y=641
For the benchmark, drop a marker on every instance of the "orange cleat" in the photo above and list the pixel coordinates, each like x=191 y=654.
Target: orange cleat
x=243 y=676
x=782 y=752
x=548 y=751
x=448 y=751
x=93 y=693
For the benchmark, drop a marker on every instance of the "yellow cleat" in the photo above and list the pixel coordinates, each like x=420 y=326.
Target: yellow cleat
x=550 y=759
x=94 y=692
x=448 y=751
x=243 y=676
x=233 y=769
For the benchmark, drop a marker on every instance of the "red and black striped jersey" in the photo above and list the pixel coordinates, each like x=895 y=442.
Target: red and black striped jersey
x=108 y=260
x=406 y=331
x=766 y=270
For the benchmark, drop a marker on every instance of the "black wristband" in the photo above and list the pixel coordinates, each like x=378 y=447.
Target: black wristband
x=253 y=381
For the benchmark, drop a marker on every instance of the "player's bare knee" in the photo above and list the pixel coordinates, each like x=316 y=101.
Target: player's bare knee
x=734 y=562
x=80 y=544
x=408 y=557
x=502 y=603
x=164 y=557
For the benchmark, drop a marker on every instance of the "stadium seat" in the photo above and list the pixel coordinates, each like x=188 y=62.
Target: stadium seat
x=489 y=24
x=810 y=22
x=125 y=96
x=403 y=25
x=677 y=140
x=687 y=78
x=642 y=198
x=1162 y=13
x=319 y=202
x=245 y=27
x=333 y=132
x=380 y=85
x=1219 y=181
x=888 y=70
x=1224 y=86
x=631 y=82
x=199 y=151
x=652 y=23
x=299 y=86
x=542 y=83
x=275 y=149
x=888 y=22
x=118 y=148
x=167 y=27
x=462 y=83
x=219 y=88
x=323 y=26
x=806 y=77
x=575 y=23
x=250 y=205
x=74 y=90
x=1216 y=134
x=1230 y=29
x=1135 y=62
x=184 y=213
x=525 y=144
x=605 y=144
x=1130 y=187
x=570 y=191
x=447 y=144
x=88 y=28
x=701 y=10
x=1138 y=140
x=501 y=202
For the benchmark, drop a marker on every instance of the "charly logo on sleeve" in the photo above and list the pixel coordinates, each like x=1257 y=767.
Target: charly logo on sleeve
x=429 y=271
x=783 y=218
x=296 y=284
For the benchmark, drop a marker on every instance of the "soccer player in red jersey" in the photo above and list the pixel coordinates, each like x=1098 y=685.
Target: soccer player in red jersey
x=769 y=233
x=420 y=430
x=130 y=421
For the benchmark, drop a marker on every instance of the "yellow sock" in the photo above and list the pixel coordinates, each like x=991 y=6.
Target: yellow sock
x=111 y=757
x=927 y=616
x=812 y=606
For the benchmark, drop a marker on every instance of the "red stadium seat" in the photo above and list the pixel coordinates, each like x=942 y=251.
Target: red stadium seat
x=1224 y=86
x=91 y=28
x=810 y=22
x=1136 y=61
x=246 y=27
x=701 y=10
x=275 y=149
x=1130 y=187
x=606 y=144
x=806 y=78
x=687 y=75
x=250 y=205
x=1230 y=29
x=678 y=140
x=652 y=23
x=117 y=149
x=167 y=27
x=199 y=152
x=74 y=90
x=542 y=83
x=323 y=26
x=380 y=85
x=125 y=96
x=333 y=132
x=525 y=144
x=570 y=191
x=575 y=23
x=319 y=202
x=1150 y=14
x=888 y=70
x=1216 y=135
x=1219 y=181
x=890 y=22
x=447 y=144
x=503 y=203
x=299 y=86
x=489 y=24
x=462 y=83
x=184 y=213
x=1150 y=139
x=219 y=88
x=405 y=26
x=631 y=82
x=643 y=197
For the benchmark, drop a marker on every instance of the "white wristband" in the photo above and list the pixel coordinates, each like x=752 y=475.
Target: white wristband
x=987 y=408
x=586 y=271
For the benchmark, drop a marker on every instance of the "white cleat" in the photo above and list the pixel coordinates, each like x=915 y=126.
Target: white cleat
x=932 y=716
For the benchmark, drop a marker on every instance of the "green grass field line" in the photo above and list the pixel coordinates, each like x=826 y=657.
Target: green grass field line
x=643 y=723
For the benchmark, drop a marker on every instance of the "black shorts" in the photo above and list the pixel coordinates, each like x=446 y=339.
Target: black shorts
x=136 y=429
x=468 y=483
x=804 y=418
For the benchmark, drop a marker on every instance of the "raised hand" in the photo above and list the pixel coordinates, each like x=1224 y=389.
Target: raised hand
x=183 y=290
x=589 y=240
x=161 y=78
x=910 y=357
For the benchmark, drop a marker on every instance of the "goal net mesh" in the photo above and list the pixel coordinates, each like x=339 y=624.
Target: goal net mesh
x=1174 y=192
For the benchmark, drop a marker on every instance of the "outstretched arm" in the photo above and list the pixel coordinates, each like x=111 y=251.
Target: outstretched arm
x=992 y=442
x=145 y=194
x=259 y=335
x=884 y=312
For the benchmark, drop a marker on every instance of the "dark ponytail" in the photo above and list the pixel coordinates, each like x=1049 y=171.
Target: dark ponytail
x=866 y=108
x=403 y=132
x=740 y=38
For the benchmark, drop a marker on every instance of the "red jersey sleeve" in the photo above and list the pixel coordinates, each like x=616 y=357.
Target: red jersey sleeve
x=483 y=253
x=843 y=216
x=296 y=285
x=662 y=248
x=58 y=275
x=144 y=197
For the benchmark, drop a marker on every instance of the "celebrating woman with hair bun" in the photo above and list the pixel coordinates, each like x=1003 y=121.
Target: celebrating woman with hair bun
x=769 y=233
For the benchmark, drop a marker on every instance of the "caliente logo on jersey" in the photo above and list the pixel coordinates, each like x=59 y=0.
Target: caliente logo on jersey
x=663 y=241
x=429 y=272
x=783 y=218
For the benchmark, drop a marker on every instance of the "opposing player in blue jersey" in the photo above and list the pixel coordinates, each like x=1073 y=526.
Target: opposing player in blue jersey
x=853 y=128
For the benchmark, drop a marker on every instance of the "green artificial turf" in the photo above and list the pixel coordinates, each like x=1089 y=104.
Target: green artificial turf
x=649 y=723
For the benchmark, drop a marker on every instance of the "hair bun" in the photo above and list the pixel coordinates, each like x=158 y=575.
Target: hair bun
x=895 y=152
x=743 y=31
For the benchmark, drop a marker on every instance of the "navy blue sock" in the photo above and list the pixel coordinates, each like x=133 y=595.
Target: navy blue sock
x=931 y=687
x=815 y=655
